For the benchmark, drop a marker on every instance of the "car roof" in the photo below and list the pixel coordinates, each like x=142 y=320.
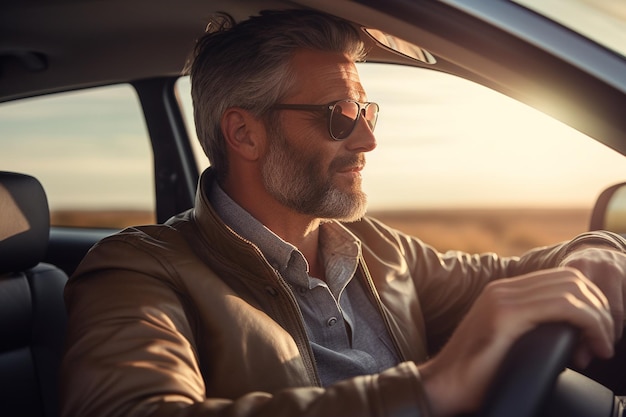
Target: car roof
x=63 y=44
x=58 y=45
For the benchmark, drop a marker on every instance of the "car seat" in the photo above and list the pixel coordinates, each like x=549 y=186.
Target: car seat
x=32 y=311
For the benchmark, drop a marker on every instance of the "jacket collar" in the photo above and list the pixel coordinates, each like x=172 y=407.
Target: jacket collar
x=219 y=242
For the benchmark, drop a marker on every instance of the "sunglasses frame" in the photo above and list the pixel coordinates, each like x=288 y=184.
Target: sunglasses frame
x=328 y=109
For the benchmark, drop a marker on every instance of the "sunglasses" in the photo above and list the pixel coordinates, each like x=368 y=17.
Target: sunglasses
x=343 y=115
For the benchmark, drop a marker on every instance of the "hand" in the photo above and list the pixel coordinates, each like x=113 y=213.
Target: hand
x=607 y=269
x=457 y=378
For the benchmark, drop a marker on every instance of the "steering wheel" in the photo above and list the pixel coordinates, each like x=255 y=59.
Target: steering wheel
x=529 y=371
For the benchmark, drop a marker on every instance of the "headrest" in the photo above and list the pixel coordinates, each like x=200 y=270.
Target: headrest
x=24 y=222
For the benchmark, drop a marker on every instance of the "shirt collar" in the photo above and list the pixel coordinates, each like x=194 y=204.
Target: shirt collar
x=336 y=240
x=276 y=250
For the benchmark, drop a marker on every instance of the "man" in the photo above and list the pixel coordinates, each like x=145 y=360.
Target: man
x=275 y=296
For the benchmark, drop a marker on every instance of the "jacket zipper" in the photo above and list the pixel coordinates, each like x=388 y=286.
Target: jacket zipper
x=302 y=342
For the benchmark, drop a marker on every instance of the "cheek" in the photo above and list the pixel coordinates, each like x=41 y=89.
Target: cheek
x=304 y=126
x=309 y=138
x=308 y=160
x=310 y=145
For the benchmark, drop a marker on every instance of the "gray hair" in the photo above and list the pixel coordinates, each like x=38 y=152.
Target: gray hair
x=247 y=65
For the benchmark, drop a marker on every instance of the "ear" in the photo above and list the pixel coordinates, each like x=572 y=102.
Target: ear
x=244 y=133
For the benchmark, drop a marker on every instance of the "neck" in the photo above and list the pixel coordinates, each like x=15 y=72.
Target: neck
x=299 y=229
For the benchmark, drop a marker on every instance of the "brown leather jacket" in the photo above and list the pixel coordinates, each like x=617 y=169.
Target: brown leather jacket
x=188 y=319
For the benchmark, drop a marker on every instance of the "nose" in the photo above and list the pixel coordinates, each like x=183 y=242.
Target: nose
x=362 y=138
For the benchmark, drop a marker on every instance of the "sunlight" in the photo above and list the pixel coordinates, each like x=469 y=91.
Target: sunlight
x=450 y=142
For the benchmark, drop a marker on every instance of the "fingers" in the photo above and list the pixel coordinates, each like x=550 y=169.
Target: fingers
x=504 y=311
x=607 y=270
x=563 y=295
x=612 y=287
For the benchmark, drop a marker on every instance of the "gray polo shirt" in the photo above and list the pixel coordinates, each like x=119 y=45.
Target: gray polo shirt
x=346 y=332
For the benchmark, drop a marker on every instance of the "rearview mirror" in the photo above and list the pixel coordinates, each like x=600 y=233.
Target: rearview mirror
x=609 y=212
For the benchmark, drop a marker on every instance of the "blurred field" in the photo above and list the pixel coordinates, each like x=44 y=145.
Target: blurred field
x=507 y=232
x=101 y=218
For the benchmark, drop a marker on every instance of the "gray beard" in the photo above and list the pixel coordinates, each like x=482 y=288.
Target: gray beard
x=295 y=182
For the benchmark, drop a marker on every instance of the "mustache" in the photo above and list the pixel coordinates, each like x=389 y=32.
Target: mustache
x=347 y=161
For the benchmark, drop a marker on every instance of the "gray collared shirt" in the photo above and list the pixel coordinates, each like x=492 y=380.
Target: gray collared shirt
x=346 y=331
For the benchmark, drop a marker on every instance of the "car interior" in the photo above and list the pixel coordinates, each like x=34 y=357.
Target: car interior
x=32 y=312
x=65 y=46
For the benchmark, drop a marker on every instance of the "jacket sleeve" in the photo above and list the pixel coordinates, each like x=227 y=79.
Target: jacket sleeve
x=448 y=283
x=131 y=352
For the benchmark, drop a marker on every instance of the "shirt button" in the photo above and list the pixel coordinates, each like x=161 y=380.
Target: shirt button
x=331 y=321
x=302 y=290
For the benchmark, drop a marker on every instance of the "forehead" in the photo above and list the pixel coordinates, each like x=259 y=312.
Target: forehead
x=325 y=76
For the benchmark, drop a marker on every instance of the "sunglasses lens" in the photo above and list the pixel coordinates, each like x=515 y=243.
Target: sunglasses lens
x=342 y=119
x=345 y=114
x=371 y=115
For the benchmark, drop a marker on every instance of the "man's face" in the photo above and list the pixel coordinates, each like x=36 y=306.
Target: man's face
x=304 y=168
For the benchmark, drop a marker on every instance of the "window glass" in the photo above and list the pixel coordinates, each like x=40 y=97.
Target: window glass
x=604 y=21
x=90 y=150
x=463 y=167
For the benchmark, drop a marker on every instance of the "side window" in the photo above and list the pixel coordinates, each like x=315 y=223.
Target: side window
x=463 y=167
x=90 y=150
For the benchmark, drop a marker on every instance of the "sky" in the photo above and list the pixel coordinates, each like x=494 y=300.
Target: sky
x=442 y=142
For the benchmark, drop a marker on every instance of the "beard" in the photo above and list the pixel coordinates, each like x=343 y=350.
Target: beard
x=300 y=182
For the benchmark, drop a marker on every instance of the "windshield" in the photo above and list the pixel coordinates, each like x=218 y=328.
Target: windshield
x=603 y=21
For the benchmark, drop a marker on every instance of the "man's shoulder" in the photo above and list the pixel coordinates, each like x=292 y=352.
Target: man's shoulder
x=146 y=248
x=150 y=236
